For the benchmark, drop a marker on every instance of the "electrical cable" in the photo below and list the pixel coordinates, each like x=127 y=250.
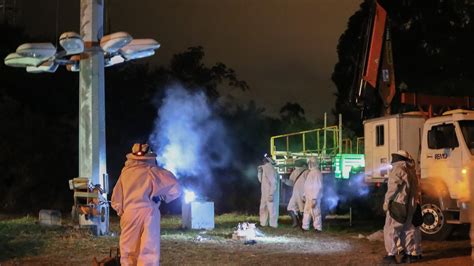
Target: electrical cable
x=57 y=24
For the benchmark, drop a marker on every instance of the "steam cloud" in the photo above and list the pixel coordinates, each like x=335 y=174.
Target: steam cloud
x=190 y=140
x=334 y=194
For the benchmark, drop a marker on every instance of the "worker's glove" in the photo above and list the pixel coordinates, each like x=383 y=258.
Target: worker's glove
x=157 y=199
x=313 y=203
x=270 y=198
x=385 y=206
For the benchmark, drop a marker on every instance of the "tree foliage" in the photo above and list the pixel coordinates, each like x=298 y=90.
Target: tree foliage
x=39 y=116
x=432 y=48
x=188 y=67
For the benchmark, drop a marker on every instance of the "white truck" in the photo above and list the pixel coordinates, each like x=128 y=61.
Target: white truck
x=443 y=149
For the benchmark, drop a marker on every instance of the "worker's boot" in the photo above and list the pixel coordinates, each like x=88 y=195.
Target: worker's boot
x=294 y=218
x=300 y=219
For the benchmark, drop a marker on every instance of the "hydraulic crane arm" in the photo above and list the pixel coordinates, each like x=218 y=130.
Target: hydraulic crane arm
x=376 y=76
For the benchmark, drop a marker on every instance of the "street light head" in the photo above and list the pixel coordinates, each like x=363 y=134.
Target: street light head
x=74 y=66
x=139 y=48
x=71 y=42
x=37 y=50
x=113 y=42
x=16 y=60
x=139 y=54
x=116 y=59
x=48 y=66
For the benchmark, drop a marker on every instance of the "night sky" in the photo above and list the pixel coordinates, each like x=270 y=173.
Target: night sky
x=284 y=49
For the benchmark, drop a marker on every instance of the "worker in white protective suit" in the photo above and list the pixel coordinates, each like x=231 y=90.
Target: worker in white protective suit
x=296 y=180
x=268 y=178
x=402 y=188
x=313 y=191
x=413 y=233
x=136 y=197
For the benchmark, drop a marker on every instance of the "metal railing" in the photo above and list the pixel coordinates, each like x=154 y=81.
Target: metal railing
x=306 y=143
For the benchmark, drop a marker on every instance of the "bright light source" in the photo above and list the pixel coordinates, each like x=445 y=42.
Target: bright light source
x=71 y=42
x=48 y=66
x=113 y=42
x=36 y=50
x=139 y=48
x=189 y=196
x=117 y=59
x=139 y=54
x=74 y=66
x=16 y=60
x=464 y=171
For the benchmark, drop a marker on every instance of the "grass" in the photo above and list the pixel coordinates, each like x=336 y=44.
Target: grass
x=24 y=241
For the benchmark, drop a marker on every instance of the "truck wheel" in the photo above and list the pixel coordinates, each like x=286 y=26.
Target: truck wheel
x=434 y=225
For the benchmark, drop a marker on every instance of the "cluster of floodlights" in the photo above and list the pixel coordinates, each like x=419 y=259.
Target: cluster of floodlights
x=44 y=57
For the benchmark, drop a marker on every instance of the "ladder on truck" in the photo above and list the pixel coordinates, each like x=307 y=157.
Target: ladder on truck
x=335 y=156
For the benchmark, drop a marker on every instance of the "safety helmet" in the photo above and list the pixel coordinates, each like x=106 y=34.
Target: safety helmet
x=140 y=149
x=268 y=159
x=402 y=153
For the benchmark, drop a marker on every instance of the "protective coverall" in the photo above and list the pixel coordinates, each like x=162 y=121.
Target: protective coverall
x=136 y=198
x=267 y=176
x=402 y=188
x=413 y=234
x=313 y=190
x=297 y=179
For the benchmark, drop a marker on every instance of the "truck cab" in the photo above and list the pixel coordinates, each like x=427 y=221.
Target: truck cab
x=446 y=164
x=443 y=150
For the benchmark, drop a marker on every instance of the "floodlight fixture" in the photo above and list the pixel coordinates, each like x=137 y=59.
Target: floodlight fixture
x=139 y=48
x=116 y=59
x=73 y=63
x=139 y=54
x=48 y=66
x=37 y=50
x=71 y=42
x=113 y=42
x=16 y=60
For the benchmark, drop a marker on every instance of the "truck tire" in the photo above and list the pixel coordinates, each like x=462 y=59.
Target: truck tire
x=435 y=226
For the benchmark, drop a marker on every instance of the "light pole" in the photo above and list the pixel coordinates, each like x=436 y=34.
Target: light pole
x=87 y=53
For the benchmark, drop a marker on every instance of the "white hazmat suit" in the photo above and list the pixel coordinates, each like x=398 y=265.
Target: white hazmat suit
x=402 y=188
x=297 y=180
x=313 y=190
x=413 y=234
x=136 y=198
x=268 y=178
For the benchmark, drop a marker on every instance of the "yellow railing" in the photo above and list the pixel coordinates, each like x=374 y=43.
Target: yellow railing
x=325 y=140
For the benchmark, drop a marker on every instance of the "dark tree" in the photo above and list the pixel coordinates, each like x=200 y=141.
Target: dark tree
x=432 y=49
x=188 y=68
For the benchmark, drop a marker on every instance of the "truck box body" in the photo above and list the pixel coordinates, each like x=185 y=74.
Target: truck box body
x=386 y=135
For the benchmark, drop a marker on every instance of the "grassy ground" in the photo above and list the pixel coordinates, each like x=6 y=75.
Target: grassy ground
x=24 y=242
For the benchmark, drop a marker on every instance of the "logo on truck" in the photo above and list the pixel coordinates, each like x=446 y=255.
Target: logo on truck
x=440 y=156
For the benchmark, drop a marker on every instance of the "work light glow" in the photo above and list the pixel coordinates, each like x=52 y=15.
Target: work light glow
x=189 y=196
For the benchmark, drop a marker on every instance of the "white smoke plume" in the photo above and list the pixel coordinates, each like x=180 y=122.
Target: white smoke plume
x=189 y=138
x=339 y=191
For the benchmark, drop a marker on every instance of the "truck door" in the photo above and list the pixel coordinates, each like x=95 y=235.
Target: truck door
x=442 y=155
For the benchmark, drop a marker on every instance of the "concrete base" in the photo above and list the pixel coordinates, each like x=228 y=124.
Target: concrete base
x=49 y=217
x=198 y=215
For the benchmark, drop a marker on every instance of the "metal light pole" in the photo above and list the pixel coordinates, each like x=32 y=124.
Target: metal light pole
x=88 y=52
x=92 y=157
x=92 y=160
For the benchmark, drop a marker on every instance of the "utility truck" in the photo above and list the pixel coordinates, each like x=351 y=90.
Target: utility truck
x=443 y=150
x=441 y=144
